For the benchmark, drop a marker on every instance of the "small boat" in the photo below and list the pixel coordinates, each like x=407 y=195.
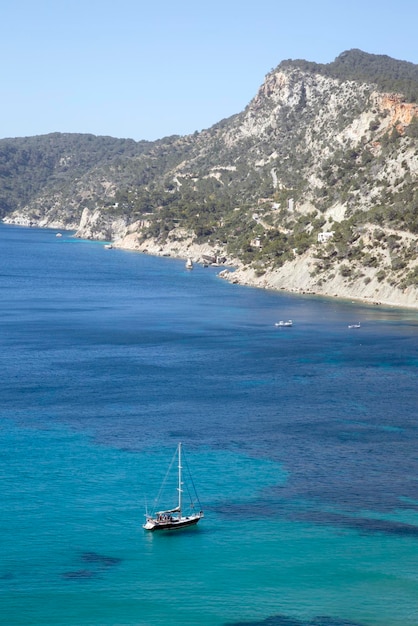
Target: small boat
x=354 y=325
x=175 y=518
x=189 y=264
x=108 y=246
x=283 y=323
x=58 y=235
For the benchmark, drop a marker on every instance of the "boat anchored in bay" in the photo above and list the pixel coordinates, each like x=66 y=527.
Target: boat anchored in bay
x=175 y=517
x=285 y=324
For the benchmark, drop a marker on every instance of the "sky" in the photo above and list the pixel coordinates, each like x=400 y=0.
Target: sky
x=146 y=69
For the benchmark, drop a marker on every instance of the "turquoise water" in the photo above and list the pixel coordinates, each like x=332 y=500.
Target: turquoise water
x=302 y=443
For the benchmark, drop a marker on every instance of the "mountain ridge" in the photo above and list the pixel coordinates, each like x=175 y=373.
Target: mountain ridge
x=319 y=149
x=387 y=73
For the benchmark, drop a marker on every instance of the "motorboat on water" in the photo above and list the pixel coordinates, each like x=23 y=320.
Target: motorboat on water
x=357 y=325
x=284 y=323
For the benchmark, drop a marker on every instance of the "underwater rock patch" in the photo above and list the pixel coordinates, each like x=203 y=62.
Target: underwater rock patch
x=100 y=559
x=283 y=620
x=79 y=574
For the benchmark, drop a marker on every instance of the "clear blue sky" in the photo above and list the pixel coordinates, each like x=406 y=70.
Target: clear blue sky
x=145 y=69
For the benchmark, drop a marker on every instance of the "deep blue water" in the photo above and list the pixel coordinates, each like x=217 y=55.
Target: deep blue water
x=302 y=441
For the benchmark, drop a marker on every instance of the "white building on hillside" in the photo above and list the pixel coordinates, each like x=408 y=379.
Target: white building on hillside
x=325 y=236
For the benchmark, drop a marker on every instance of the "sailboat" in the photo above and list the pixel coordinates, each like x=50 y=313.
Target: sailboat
x=174 y=518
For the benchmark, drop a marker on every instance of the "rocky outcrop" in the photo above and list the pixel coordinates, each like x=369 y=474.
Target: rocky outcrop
x=99 y=225
x=401 y=113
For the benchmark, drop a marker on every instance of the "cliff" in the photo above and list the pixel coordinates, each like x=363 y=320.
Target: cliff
x=313 y=187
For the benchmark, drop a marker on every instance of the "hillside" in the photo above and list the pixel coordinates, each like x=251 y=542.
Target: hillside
x=322 y=150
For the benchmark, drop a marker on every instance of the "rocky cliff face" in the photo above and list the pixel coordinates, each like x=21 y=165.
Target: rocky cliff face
x=311 y=153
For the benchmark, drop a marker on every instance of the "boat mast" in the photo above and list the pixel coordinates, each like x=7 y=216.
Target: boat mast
x=179 y=488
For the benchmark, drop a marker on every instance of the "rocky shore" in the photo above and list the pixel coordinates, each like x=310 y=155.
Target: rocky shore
x=297 y=276
x=294 y=276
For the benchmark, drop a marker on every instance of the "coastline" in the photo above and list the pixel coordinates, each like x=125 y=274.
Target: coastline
x=297 y=276
x=293 y=277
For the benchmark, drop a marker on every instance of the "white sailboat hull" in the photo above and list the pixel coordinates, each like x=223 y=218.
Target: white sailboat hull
x=173 y=523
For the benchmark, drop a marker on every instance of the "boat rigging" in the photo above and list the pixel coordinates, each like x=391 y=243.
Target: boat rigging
x=175 y=517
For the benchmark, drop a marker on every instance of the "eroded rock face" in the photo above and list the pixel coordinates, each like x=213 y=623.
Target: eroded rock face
x=401 y=113
x=100 y=225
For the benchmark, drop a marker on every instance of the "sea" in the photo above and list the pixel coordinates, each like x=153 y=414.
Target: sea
x=302 y=443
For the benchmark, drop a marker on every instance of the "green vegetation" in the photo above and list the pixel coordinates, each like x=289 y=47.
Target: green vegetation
x=259 y=185
x=388 y=74
x=45 y=164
